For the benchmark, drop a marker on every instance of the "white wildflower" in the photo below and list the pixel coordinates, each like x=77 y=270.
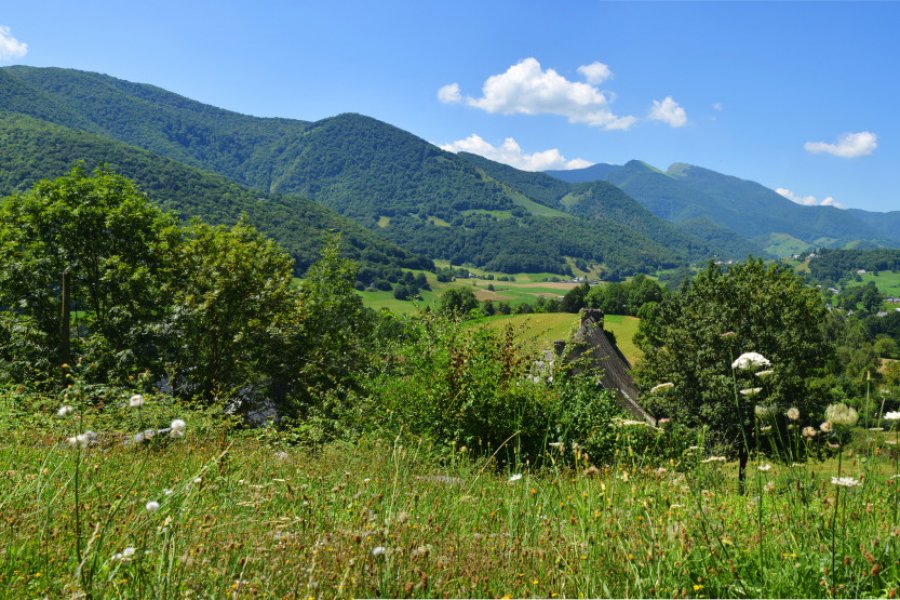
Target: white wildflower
x=662 y=387
x=765 y=429
x=557 y=446
x=761 y=411
x=515 y=477
x=177 y=427
x=825 y=427
x=766 y=373
x=750 y=361
x=378 y=551
x=793 y=413
x=198 y=480
x=845 y=481
x=64 y=411
x=750 y=392
x=841 y=414
x=82 y=439
x=128 y=552
x=168 y=492
x=809 y=432
x=764 y=467
x=136 y=401
x=713 y=459
x=152 y=506
x=893 y=415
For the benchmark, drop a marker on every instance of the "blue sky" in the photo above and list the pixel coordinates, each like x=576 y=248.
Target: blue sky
x=797 y=96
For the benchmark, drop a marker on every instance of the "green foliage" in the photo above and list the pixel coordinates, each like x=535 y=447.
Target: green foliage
x=33 y=150
x=624 y=298
x=458 y=302
x=232 y=303
x=113 y=242
x=762 y=309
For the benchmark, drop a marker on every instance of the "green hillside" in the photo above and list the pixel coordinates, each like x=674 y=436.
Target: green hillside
x=752 y=216
x=400 y=187
x=31 y=150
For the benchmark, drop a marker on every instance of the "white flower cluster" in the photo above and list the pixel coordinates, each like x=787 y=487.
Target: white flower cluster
x=82 y=439
x=845 y=481
x=841 y=414
x=751 y=361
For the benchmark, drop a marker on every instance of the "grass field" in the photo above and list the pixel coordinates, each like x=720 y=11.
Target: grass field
x=624 y=328
x=237 y=517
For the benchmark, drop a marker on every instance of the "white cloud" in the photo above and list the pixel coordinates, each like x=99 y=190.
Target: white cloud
x=510 y=153
x=595 y=73
x=449 y=94
x=526 y=88
x=848 y=145
x=808 y=200
x=717 y=106
x=669 y=112
x=10 y=47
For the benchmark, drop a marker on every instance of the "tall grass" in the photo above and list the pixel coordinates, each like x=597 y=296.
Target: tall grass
x=239 y=516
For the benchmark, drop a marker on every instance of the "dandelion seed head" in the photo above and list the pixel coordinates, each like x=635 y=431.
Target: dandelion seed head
x=152 y=506
x=178 y=425
x=761 y=411
x=378 y=551
x=136 y=401
x=825 y=427
x=64 y=411
x=809 y=432
x=793 y=413
x=515 y=477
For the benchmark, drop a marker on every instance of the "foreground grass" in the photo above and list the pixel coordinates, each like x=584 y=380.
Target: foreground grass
x=239 y=516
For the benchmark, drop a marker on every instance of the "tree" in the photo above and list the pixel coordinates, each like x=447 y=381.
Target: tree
x=114 y=243
x=233 y=303
x=458 y=302
x=691 y=338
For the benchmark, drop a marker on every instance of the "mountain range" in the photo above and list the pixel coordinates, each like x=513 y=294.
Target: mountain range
x=399 y=200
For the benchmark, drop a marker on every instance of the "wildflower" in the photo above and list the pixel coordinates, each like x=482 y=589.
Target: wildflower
x=893 y=415
x=809 y=432
x=770 y=487
x=766 y=373
x=845 y=481
x=136 y=401
x=764 y=467
x=765 y=429
x=124 y=554
x=761 y=411
x=198 y=480
x=793 y=413
x=177 y=427
x=144 y=435
x=662 y=387
x=750 y=361
x=825 y=427
x=64 y=411
x=841 y=414
x=168 y=492
x=750 y=392
x=378 y=551
x=515 y=477
x=557 y=446
x=82 y=439
x=713 y=459
x=152 y=506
